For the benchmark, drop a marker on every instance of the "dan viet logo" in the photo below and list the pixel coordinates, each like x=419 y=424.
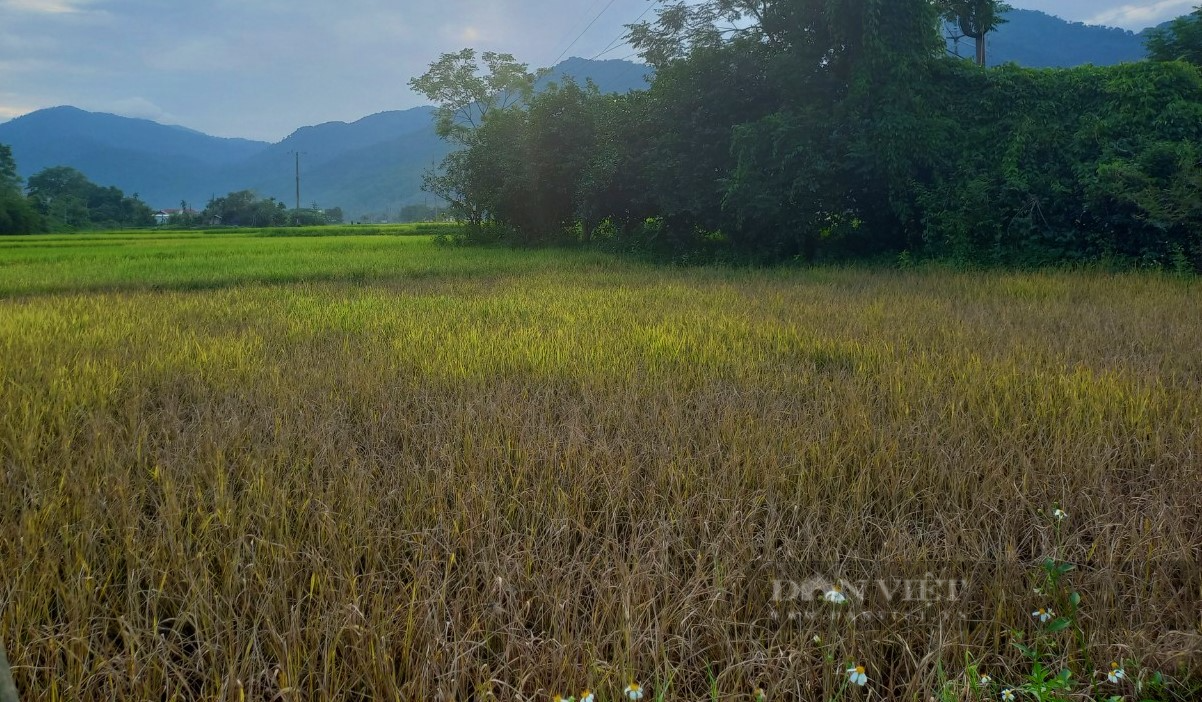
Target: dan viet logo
x=928 y=597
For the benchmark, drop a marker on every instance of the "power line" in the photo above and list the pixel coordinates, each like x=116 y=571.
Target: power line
x=618 y=40
x=581 y=35
x=584 y=15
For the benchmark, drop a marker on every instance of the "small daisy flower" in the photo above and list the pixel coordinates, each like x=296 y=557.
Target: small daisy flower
x=1116 y=674
x=587 y=696
x=634 y=691
x=1059 y=514
x=835 y=596
x=1008 y=695
x=817 y=639
x=857 y=675
x=1043 y=615
x=986 y=681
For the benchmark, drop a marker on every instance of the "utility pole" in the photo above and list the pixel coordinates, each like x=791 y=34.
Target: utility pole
x=298 y=200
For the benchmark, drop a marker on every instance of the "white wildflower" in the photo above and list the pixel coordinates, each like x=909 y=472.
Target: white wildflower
x=1116 y=673
x=857 y=675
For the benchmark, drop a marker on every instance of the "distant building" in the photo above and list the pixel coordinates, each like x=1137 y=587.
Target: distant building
x=163 y=216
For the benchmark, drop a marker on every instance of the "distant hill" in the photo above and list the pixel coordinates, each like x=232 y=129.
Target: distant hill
x=160 y=163
x=612 y=76
x=74 y=129
x=1038 y=40
x=369 y=167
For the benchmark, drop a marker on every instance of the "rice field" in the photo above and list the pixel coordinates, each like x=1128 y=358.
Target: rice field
x=367 y=467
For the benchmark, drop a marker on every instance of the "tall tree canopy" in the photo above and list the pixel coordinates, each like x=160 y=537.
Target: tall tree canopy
x=974 y=19
x=823 y=129
x=1181 y=40
x=17 y=215
x=466 y=91
x=69 y=200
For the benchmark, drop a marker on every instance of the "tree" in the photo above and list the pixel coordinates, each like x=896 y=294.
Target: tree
x=466 y=92
x=53 y=185
x=421 y=213
x=9 y=180
x=975 y=19
x=468 y=95
x=683 y=26
x=17 y=215
x=69 y=200
x=1180 y=41
x=245 y=209
x=819 y=129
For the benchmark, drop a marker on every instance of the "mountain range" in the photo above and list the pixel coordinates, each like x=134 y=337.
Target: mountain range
x=372 y=167
x=1038 y=40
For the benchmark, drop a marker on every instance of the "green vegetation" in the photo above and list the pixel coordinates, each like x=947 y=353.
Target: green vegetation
x=1180 y=40
x=973 y=19
x=62 y=199
x=246 y=209
x=67 y=200
x=17 y=215
x=815 y=130
x=371 y=467
x=218 y=258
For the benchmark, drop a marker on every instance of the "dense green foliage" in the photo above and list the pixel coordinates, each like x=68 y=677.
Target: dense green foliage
x=1181 y=40
x=819 y=130
x=1082 y=164
x=17 y=215
x=973 y=19
x=246 y=209
x=62 y=199
x=68 y=200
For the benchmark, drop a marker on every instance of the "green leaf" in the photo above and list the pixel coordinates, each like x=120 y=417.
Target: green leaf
x=1059 y=624
x=1025 y=650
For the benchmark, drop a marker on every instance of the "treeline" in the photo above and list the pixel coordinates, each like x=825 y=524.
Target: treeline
x=63 y=199
x=812 y=130
x=244 y=208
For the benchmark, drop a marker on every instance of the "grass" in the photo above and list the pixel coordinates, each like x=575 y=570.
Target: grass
x=192 y=260
x=366 y=467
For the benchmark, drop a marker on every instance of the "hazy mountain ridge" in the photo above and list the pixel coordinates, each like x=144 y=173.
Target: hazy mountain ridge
x=70 y=125
x=370 y=166
x=610 y=75
x=1039 y=40
x=373 y=166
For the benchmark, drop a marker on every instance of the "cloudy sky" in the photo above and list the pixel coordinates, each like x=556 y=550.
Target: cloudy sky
x=261 y=68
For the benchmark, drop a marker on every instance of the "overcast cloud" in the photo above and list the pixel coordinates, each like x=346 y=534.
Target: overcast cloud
x=262 y=68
